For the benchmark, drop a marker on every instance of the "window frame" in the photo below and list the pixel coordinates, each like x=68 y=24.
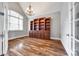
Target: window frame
x=19 y=18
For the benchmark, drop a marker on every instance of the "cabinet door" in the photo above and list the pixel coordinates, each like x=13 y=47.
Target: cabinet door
x=47 y=35
x=39 y=34
x=30 y=33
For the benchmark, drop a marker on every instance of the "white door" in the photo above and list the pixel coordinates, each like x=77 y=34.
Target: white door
x=3 y=29
x=66 y=27
x=69 y=30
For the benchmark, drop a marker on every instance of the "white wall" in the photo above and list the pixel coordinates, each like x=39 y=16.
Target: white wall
x=65 y=27
x=13 y=34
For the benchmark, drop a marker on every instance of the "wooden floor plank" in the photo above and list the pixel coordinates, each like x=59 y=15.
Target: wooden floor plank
x=35 y=47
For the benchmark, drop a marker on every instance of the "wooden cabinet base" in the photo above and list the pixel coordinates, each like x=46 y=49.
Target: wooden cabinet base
x=42 y=34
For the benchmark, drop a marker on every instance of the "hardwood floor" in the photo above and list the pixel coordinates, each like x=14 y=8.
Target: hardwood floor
x=35 y=47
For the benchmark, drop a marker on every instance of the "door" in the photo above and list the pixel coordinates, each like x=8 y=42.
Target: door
x=76 y=28
x=66 y=27
x=3 y=29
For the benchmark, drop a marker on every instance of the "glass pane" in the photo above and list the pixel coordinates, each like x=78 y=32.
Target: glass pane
x=77 y=30
x=76 y=48
x=13 y=13
x=13 y=23
x=20 y=24
x=13 y=20
x=76 y=10
x=13 y=27
x=20 y=16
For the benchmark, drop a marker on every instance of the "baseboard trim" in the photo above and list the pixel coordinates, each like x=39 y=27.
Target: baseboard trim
x=55 y=38
x=18 y=37
x=65 y=48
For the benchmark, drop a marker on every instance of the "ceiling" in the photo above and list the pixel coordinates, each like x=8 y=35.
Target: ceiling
x=42 y=7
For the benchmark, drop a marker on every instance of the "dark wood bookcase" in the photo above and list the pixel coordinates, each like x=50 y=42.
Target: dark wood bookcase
x=40 y=28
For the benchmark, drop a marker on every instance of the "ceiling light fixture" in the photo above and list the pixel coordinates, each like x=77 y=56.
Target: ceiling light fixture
x=29 y=11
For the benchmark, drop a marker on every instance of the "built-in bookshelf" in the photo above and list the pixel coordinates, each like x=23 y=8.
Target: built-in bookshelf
x=40 y=24
x=40 y=28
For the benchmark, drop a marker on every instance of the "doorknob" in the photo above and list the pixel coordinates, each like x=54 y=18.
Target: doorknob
x=71 y=34
x=67 y=34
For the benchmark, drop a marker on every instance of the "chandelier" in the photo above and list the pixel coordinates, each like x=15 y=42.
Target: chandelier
x=29 y=10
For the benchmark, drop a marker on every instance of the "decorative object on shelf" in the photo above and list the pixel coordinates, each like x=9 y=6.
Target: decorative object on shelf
x=29 y=11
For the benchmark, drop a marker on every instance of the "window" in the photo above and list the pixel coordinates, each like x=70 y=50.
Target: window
x=15 y=21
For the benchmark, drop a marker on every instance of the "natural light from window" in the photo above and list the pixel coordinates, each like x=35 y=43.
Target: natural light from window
x=15 y=21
